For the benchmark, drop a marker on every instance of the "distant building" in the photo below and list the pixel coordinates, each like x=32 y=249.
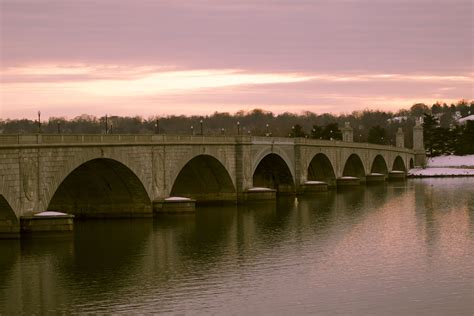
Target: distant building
x=462 y=121
x=397 y=119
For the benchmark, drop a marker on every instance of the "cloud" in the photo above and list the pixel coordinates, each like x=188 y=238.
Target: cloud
x=78 y=88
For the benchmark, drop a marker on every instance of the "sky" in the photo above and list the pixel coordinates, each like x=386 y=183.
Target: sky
x=151 y=57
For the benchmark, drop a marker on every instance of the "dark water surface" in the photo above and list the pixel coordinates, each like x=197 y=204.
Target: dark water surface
x=399 y=248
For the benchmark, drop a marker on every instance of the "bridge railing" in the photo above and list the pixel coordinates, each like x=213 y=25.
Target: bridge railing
x=25 y=139
x=72 y=139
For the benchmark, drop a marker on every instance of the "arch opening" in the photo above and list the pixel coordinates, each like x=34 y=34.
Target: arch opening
x=412 y=165
x=273 y=172
x=379 y=165
x=102 y=188
x=8 y=220
x=204 y=179
x=398 y=164
x=320 y=169
x=354 y=168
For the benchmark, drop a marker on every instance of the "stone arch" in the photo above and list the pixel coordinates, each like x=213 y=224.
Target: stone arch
x=79 y=158
x=273 y=150
x=204 y=178
x=412 y=165
x=101 y=187
x=321 y=169
x=379 y=165
x=354 y=167
x=273 y=172
x=398 y=164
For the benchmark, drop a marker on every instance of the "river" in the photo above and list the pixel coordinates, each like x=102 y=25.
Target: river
x=397 y=248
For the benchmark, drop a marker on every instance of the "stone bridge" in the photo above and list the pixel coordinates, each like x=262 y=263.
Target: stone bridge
x=122 y=175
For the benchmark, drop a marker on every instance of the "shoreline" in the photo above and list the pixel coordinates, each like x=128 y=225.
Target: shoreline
x=418 y=176
x=444 y=167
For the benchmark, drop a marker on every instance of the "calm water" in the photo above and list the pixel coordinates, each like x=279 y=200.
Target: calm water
x=403 y=248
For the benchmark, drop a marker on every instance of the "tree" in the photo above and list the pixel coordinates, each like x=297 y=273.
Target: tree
x=377 y=135
x=332 y=131
x=429 y=125
x=317 y=132
x=465 y=143
x=297 y=131
x=419 y=109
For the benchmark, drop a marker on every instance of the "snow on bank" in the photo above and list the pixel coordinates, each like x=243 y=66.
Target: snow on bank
x=451 y=161
x=440 y=172
x=446 y=166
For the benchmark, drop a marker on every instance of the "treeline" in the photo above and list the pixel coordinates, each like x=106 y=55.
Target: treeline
x=455 y=139
x=372 y=126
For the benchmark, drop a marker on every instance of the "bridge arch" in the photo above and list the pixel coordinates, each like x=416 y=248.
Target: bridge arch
x=354 y=167
x=379 y=165
x=101 y=187
x=273 y=172
x=398 y=164
x=204 y=178
x=321 y=169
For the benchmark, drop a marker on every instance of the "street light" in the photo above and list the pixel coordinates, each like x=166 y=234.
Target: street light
x=238 y=128
x=111 y=128
x=157 y=126
x=222 y=131
x=293 y=131
x=106 y=125
x=192 y=130
x=39 y=121
x=59 y=127
x=200 y=122
x=268 y=130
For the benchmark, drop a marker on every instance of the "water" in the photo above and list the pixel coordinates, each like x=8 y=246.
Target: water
x=404 y=248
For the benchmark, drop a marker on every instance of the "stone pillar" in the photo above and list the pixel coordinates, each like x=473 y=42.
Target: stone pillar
x=243 y=166
x=400 y=138
x=418 y=145
x=347 y=133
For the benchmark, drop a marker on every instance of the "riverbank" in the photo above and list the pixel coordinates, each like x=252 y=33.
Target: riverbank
x=445 y=166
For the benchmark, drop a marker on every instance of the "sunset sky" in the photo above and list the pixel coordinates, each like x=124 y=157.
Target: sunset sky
x=151 y=57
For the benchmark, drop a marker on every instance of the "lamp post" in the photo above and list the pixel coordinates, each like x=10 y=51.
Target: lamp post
x=192 y=130
x=222 y=131
x=293 y=131
x=39 y=122
x=106 y=125
x=59 y=127
x=111 y=128
x=200 y=122
x=157 y=126
x=238 y=128
x=268 y=130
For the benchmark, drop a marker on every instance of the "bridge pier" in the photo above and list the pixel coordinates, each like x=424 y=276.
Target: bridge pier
x=9 y=229
x=375 y=178
x=47 y=222
x=348 y=181
x=174 y=205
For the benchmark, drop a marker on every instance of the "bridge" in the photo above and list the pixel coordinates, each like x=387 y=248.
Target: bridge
x=122 y=175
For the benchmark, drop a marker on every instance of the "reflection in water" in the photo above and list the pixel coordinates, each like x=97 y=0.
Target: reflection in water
x=393 y=248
